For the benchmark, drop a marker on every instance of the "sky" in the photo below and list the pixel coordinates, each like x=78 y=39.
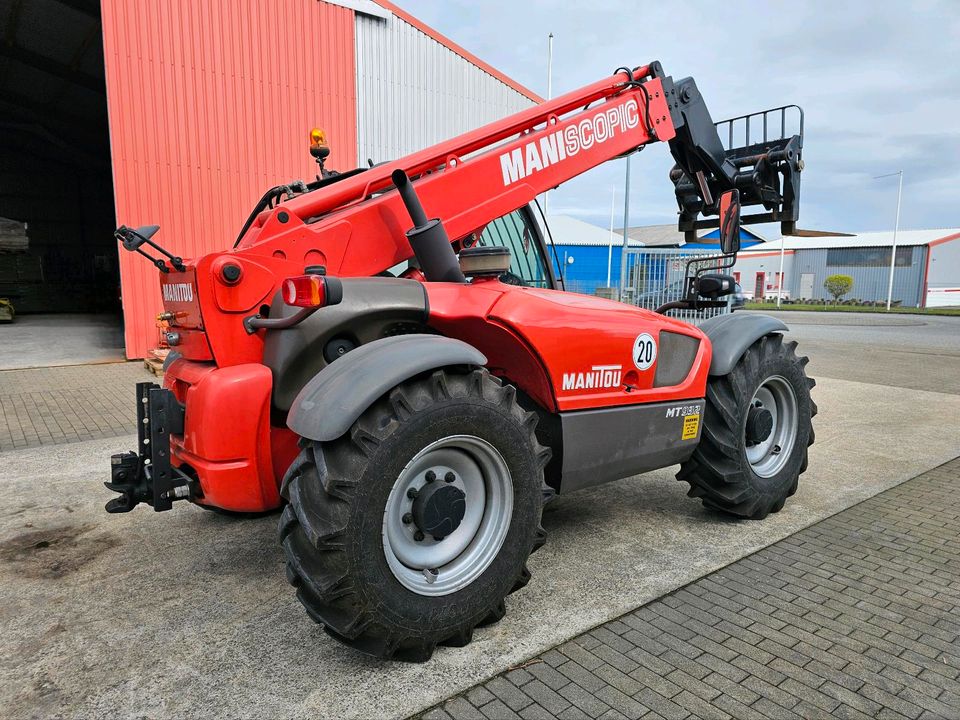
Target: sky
x=879 y=83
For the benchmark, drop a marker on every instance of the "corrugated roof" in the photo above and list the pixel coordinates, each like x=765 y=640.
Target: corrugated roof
x=570 y=231
x=567 y=230
x=669 y=236
x=869 y=239
x=655 y=235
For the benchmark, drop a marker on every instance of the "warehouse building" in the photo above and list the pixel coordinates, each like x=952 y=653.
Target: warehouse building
x=926 y=273
x=182 y=114
x=667 y=236
x=587 y=251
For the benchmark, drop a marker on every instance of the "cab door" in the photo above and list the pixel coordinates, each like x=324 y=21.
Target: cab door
x=520 y=233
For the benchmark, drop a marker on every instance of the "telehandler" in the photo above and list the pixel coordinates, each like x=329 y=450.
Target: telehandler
x=386 y=354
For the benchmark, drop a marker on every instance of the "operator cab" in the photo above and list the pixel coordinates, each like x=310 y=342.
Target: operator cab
x=518 y=232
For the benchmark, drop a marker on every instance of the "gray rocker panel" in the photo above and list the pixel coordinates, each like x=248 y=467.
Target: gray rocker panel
x=731 y=335
x=613 y=443
x=332 y=401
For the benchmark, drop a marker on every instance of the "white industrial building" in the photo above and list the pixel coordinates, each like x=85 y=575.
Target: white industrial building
x=926 y=273
x=416 y=87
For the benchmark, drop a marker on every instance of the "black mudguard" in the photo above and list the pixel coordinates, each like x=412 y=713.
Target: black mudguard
x=731 y=335
x=333 y=400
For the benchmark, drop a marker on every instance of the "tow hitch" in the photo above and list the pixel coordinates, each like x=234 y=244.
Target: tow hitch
x=147 y=475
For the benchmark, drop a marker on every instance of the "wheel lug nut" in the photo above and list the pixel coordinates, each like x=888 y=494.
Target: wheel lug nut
x=407 y=518
x=418 y=536
x=449 y=477
x=430 y=476
x=412 y=493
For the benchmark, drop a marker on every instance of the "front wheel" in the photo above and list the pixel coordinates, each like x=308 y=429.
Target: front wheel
x=756 y=431
x=409 y=531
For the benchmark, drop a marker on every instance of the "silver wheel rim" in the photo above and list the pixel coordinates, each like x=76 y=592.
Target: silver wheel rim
x=441 y=567
x=768 y=457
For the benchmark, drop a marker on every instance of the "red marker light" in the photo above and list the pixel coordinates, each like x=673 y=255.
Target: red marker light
x=307 y=291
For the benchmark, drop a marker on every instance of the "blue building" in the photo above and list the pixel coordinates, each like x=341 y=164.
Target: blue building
x=589 y=253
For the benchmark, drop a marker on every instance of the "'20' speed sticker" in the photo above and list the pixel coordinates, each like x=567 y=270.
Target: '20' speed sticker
x=644 y=351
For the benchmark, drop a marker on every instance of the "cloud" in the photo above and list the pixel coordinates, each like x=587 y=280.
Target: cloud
x=878 y=82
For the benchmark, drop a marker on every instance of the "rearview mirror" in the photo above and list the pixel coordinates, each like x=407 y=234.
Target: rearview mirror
x=730 y=222
x=134 y=238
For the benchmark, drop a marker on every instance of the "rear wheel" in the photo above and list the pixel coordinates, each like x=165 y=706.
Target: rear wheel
x=756 y=432
x=409 y=531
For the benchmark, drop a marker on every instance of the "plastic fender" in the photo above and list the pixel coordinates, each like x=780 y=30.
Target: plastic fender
x=731 y=335
x=226 y=437
x=332 y=401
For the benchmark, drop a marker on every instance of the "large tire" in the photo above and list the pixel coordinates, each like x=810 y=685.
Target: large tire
x=337 y=540
x=727 y=471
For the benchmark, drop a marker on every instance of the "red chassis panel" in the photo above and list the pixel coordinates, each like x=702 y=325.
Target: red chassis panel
x=357 y=227
x=543 y=341
x=567 y=351
x=227 y=440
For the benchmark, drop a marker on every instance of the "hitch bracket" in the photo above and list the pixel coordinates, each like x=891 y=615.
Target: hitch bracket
x=148 y=475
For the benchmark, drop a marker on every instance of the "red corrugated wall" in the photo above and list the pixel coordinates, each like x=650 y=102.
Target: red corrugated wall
x=210 y=103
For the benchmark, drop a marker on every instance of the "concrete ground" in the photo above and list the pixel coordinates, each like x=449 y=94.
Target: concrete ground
x=187 y=613
x=857 y=616
x=62 y=339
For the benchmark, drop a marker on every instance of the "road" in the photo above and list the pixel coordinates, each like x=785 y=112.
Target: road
x=921 y=352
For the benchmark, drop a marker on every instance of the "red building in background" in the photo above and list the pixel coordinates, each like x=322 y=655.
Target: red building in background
x=189 y=112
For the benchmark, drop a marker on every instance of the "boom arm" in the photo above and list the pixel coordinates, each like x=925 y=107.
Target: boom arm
x=486 y=173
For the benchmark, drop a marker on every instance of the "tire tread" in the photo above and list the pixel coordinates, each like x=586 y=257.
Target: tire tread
x=319 y=489
x=715 y=471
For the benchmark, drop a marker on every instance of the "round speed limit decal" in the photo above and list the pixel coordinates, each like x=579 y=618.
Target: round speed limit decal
x=644 y=351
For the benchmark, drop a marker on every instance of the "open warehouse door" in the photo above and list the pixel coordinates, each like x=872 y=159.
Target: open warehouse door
x=179 y=114
x=57 y=253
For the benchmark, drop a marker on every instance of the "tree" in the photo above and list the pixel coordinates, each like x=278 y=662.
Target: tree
x=838 y=285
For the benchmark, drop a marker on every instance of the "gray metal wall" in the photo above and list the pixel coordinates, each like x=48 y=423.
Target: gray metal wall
x=944 y=265
x=412 y=91
x=869 y=283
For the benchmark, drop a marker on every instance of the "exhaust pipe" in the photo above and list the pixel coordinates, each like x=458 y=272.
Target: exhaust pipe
x=428 y=238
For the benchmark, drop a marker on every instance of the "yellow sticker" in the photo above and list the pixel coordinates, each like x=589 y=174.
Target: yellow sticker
x=691 y=423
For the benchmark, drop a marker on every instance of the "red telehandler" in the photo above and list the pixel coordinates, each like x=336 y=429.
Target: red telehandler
x=387 y=355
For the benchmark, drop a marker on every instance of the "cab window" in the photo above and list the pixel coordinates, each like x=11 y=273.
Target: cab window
x=514 y=231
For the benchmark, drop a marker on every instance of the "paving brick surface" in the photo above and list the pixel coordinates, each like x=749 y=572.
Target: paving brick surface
x=857 y=616
x=49 y=406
